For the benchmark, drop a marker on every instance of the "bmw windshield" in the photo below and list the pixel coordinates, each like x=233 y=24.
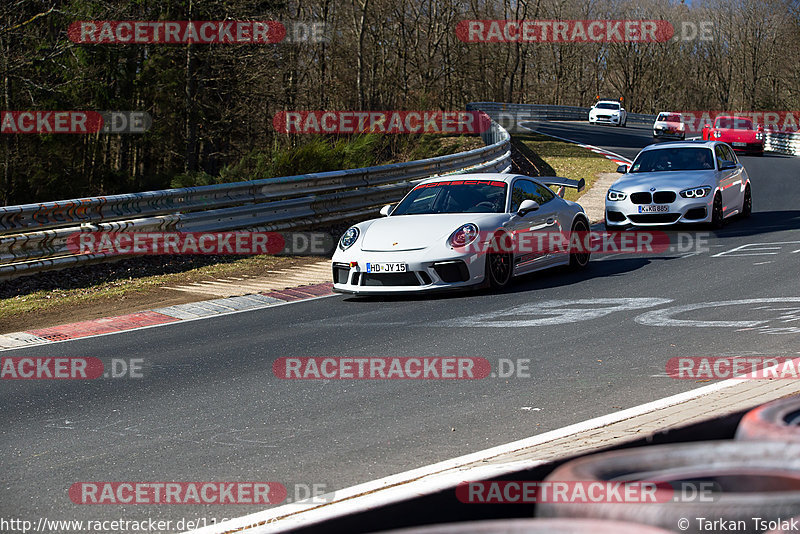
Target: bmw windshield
x=461 y=196
x=674 y=159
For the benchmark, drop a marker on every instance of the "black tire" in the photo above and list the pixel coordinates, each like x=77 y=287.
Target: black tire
x=747 y=203
x=775 y=421
x=533 y=526
x=755 y=479
x=717 y=217
x=578 y=260
x=500 y=263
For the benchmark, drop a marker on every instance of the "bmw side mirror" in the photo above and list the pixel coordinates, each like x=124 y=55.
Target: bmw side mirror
x=622 y=169
x=387 y=210
x=526 y=206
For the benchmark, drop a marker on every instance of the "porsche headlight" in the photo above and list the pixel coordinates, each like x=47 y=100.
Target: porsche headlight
x=463 y=236
x=696 y=192
x=349 y=237
x=616 y=195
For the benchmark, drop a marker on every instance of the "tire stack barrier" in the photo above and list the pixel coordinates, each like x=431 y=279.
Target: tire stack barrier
x=756 y=475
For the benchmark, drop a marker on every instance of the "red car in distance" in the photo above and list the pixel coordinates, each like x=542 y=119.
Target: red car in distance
x=738 y=132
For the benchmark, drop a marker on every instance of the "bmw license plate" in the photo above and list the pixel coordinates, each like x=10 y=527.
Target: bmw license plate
x=653 y=209
x=739 y=144
x=386 y=267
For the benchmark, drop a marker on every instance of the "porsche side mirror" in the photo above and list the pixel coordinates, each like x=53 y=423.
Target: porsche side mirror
x=387 y=210
x=526 y=206
x=622 y=169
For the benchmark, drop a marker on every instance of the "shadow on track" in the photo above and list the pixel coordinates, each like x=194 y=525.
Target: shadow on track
x=550 y=278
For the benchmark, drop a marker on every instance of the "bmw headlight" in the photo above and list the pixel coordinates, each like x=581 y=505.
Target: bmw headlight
x=616 y=195
x=463 y=236
x=349 y=237
x=696 y=192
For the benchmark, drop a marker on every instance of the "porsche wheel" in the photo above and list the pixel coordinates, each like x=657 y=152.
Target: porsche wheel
x=578 y=260
x=500 y=263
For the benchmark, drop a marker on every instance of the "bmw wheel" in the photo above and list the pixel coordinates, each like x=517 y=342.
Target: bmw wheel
x=747 y=203
x=717 y=220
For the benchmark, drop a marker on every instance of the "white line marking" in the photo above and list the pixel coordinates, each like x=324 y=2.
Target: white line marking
x=764 y=247
x=743 y=255
x=665 y=316
x=436 y=477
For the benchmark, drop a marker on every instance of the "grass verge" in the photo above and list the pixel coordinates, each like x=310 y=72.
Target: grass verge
x=136 y=284
x=552 y=157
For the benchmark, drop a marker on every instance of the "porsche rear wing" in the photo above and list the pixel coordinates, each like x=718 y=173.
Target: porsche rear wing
x=563 y=182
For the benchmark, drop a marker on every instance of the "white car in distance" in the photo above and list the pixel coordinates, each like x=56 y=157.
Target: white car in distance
x=669 y=125
x=608 y=112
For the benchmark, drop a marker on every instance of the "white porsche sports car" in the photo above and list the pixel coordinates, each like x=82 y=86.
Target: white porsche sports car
x=439 y=235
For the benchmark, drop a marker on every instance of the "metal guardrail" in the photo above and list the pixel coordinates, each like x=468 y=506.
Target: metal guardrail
x=511 y=115
x=785 y=143
x=33 y=237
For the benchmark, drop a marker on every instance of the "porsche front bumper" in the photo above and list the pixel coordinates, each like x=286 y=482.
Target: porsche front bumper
x=423 y=272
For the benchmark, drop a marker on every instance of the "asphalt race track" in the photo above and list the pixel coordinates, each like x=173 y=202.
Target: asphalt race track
x=210 y=409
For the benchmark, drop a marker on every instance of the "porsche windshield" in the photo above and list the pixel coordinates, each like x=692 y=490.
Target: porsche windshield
x=674 y=159
x=734 y=123
x=474 y=196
